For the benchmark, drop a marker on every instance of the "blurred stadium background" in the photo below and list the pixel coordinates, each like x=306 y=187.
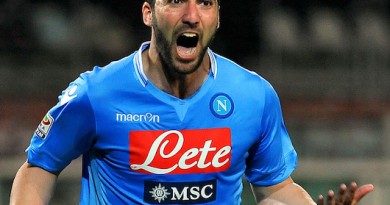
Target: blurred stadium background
x=328 y=60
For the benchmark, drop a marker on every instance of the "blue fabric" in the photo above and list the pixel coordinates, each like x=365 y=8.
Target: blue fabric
x=231 y=126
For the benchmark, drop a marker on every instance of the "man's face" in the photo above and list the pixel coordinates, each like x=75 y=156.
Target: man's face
x=183 y=30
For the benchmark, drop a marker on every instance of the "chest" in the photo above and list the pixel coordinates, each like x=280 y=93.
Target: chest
x=207 y=135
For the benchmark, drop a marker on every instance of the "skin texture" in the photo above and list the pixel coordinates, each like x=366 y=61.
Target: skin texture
x=286 y=192
x=32 y=185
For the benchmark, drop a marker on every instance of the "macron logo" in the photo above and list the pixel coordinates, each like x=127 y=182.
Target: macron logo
x=147 y=117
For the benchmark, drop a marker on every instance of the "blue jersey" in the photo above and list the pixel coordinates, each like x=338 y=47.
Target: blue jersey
x=141 y=145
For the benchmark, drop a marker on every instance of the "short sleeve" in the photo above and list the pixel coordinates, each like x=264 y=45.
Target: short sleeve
x=66 y=131
x=272 y=158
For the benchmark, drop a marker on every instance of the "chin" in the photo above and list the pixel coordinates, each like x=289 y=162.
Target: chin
x=185 y=70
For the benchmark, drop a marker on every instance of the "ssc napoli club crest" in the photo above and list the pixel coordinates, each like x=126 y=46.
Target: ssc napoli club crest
x=221 y=105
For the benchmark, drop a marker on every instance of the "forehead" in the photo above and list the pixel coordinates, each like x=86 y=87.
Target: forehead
x=166 y=1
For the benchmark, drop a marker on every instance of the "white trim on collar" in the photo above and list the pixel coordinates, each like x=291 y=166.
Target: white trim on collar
x=138 y=66
x=139 y=69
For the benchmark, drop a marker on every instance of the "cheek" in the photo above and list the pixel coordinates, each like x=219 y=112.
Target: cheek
x=211 y=22
x=211 y=30
x=165 y=17
x=216 y=23
x=163 y=32
x=164 y=25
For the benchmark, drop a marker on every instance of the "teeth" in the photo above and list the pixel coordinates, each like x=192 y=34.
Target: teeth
x=189 y=34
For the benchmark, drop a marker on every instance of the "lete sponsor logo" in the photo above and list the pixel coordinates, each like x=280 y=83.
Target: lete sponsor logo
x=180 y=152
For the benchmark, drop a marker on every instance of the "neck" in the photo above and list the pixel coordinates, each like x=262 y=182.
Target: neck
x=169 y=81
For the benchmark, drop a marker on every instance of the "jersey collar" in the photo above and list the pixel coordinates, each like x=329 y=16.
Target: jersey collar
x=139 y=69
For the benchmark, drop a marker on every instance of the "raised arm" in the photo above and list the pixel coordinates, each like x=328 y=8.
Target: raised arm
x=32 y=185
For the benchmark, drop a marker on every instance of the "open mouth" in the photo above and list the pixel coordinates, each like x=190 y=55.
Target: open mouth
x=187 y=43
x=187 y=40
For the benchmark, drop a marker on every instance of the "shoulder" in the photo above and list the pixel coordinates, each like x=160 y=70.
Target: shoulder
x=124 y=66
x=235 y=74
x=97 y=81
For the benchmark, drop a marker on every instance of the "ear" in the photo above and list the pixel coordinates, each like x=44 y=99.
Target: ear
x=147 y=14
x=219 y=22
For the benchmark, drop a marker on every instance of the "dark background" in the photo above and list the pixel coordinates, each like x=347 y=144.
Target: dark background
x=328 y=61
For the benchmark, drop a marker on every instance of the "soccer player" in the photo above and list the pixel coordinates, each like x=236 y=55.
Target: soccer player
x=172 y=123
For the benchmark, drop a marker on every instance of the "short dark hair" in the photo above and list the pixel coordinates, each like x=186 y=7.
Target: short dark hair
x=151 y=2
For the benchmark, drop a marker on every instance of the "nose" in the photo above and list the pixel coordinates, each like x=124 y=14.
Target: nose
x=191 y=14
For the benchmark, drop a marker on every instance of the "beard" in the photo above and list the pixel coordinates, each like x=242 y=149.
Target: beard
x=164 y=49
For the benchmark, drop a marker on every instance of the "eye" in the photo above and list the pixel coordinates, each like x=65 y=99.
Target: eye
x=207 y=2
x=176 y=1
